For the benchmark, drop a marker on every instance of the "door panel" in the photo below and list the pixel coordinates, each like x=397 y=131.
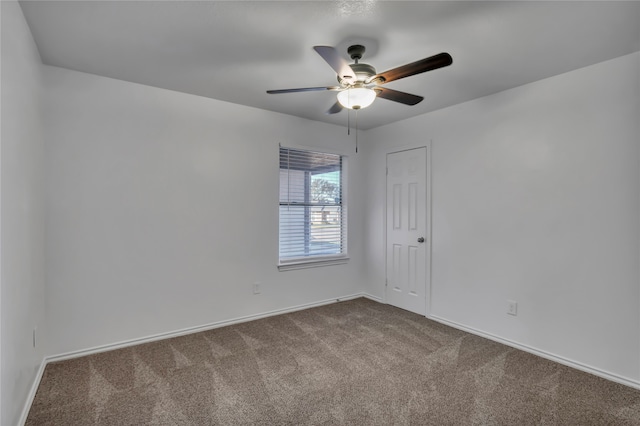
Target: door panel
x=406 y=223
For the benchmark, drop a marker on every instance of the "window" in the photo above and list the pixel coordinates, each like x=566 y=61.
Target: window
x=312 y=213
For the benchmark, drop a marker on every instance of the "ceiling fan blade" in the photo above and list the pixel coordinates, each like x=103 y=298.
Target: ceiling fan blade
x=337 y=62
x=397 y=96
x=427 y=64
x=304 y=89
x=335 y=108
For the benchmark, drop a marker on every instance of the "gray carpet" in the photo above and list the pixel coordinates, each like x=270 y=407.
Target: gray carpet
x=351 y=363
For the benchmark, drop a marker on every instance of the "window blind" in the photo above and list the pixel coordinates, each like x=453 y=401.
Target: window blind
x=312 y=214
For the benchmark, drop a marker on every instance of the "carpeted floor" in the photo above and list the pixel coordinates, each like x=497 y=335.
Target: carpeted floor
x=351 y=363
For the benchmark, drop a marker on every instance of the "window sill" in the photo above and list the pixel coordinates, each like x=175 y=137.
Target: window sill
x=315 y=263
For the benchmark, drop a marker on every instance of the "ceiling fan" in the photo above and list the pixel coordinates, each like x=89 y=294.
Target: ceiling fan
x=360 y=84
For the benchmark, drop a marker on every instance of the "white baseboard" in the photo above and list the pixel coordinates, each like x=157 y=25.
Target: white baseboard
x=196 y=329
x=544 y=354
x=32 y=393
x=372 y=297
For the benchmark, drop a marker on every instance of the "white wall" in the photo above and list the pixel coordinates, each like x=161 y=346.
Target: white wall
x=162 y=210
x=535 y=198
x=22 y=212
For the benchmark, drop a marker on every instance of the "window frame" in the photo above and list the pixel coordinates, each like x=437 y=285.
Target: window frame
x=319 y=260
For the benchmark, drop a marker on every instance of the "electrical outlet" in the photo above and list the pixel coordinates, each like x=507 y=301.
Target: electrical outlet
x=256 y=287
x=512 y=308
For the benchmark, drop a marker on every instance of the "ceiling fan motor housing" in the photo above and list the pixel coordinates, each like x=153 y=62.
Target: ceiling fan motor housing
x=363 y=73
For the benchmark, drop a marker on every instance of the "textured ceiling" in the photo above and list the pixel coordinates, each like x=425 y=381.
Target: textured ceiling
x=235 y=51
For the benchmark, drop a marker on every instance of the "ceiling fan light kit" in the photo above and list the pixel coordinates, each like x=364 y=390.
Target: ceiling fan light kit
x=360 y=84
x=357 y=97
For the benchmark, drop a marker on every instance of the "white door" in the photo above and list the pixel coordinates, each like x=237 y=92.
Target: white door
x=406 y=230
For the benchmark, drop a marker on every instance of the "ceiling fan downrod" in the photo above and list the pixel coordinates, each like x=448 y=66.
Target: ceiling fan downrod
x=355 y=52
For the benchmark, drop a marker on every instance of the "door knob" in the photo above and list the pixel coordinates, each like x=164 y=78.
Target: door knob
x=421 y=240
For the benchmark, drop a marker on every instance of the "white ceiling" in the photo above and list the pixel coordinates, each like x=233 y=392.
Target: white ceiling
x=236 y=50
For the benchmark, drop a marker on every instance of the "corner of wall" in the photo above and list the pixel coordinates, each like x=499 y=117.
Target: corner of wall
x=21 y=213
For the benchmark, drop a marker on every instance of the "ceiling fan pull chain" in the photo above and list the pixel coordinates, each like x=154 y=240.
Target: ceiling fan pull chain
x=356 y=131
x=348 y=115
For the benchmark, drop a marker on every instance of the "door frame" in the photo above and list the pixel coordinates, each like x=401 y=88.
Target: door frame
x=395 y=150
